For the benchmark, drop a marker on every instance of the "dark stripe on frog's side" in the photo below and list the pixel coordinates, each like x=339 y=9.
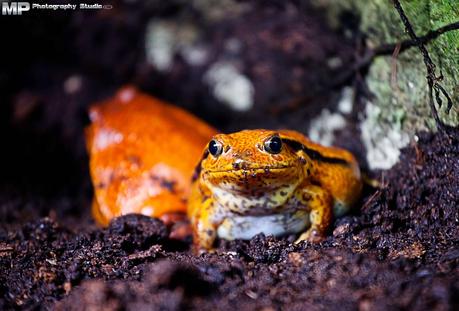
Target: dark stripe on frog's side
x=197 y=169
x=313 y=154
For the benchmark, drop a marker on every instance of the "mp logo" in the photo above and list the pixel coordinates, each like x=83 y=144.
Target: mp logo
x=15 y=8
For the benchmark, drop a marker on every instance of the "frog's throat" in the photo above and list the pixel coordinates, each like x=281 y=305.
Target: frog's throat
x=251 y=169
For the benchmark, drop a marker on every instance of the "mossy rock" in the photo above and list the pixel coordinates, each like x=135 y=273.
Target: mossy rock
x=399 y=85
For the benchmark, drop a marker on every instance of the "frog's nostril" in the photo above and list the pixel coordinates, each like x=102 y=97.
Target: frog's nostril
x=239 y=164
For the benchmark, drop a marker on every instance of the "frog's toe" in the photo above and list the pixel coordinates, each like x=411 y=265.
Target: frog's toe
x=312 y=235
x=199 y=250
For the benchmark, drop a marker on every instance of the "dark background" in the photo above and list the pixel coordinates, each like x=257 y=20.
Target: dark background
x=398 y=250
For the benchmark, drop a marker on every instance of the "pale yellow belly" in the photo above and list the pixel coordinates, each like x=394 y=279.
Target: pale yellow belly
x=246 y=227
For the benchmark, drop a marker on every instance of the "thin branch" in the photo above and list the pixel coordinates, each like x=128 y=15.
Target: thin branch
x=393 y=61
x=432 y=79
x=388 y=49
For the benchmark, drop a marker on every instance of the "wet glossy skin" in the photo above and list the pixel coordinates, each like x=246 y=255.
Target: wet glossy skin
x=246 y=189
x=143 y=153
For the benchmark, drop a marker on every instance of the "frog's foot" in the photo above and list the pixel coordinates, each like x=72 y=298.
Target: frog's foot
x=178 y=225
x=170 y=219
x=204 y=236
x=199 y=250
x=181 y=231
x=312 y=235
x=319 y=202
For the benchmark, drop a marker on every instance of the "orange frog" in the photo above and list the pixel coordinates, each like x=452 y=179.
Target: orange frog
x=143 y=153
x=146 y=157
x=271 y=182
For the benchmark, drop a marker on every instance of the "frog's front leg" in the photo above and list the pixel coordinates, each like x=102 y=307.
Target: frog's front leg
x=205 y=225
x=319 y=203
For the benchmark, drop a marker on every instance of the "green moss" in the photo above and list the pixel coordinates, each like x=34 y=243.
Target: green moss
x=400 y=106
x=446 y=51
x=382 y=24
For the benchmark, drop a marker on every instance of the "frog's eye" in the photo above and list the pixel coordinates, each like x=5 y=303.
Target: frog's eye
x=273 y=145
x=215 y=147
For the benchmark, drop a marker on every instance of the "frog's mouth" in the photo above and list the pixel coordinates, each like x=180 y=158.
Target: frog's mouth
x=249 y=179
x=262 y=169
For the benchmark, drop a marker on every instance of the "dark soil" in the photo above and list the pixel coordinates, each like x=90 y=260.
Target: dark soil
x=398 y=250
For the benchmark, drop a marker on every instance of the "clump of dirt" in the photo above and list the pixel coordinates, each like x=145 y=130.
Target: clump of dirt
x=43 y=260
x=415 y=215
x=399 y=251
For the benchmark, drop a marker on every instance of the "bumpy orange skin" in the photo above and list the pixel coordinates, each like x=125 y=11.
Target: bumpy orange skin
x=143 y=153
x=247 y=190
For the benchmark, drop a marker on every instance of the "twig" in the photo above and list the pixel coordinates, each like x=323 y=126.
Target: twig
x=388 y=49
x=384 y=49
x=432 y=79
x=393 y=75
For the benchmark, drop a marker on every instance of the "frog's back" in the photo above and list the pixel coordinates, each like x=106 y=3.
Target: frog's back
x=142 y=155
x=335 y=169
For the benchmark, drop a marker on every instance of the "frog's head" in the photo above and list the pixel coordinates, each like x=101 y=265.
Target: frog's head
x=253 y=161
